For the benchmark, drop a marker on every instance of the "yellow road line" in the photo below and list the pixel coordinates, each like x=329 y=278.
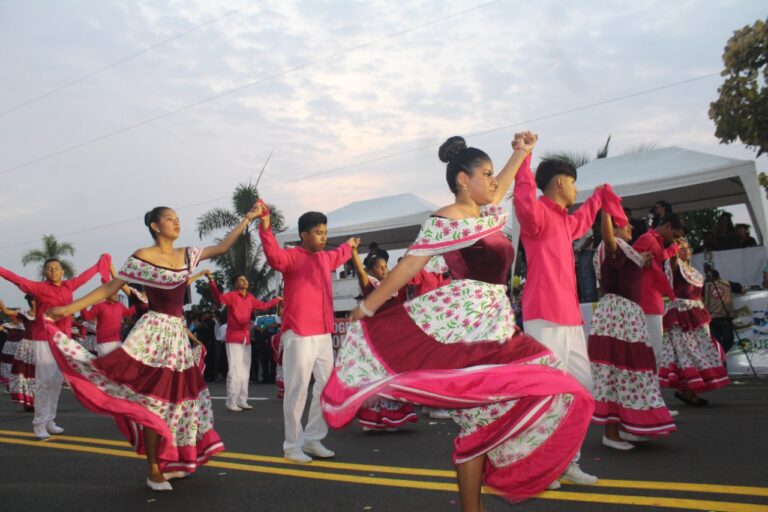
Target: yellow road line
x=439 y=473
x=690 y=504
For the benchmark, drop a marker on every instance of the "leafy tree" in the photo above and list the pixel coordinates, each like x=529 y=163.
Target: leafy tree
x=52 y=248
x=246 y=256
x=741 y=110
x=697 y=222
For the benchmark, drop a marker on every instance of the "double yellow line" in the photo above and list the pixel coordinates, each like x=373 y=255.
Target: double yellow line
x=351 y=473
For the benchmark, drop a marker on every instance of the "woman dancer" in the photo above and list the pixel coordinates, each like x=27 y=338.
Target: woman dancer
x=521 y=419
x=691 y=359
x=627 y=394
x=152 y=384
x=21 y=384
x=380 y=414
x=14 y=331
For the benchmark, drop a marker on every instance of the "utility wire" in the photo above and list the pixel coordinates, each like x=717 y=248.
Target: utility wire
x=400 y=153
x=121 y=61
x=241 y=88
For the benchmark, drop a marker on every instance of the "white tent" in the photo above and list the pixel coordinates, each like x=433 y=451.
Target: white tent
x=688 y=180
x=393 y=222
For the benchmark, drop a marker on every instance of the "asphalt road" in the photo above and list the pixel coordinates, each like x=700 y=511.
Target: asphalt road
x=717 y=460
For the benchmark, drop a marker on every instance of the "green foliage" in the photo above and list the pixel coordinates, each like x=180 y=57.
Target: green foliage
x=204 y=290
x=741 y=110
x=697 y=222
x=576 y=158
x=246 y=256
x=52 y=248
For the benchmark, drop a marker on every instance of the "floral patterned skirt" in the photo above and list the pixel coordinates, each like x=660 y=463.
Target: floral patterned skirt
x=691 y=358
x=154 y=380
x=383 y=414
x=6 y=360
x=457 y=348
x=21 y=383
x=624 y=370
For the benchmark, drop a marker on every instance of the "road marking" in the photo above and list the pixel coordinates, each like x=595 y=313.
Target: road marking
x=680 y=503
x=253 y=399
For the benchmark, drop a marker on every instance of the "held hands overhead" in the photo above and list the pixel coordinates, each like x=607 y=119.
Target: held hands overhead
x=524 y=141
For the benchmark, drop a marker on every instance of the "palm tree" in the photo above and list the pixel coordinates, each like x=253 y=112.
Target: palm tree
x=52 y=248
x=578 y=159
x=246 y=256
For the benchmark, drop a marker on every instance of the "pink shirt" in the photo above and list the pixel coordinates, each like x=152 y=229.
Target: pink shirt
x=109 y=319
x=48 y=295
x=652 y=298
x=547 y=232
x=239 y=311
x=308 y=298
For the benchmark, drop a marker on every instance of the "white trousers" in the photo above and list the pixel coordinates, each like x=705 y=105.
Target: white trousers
x=303 y=357
x=568 y=343
x=105 y=348
x=656 y=334
x=48 y=381
x=239 y=357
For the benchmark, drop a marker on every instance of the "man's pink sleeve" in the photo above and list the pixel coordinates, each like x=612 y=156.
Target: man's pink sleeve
x=277 y=257
x=528 y=210
x=339 y=255
x=100 y=267
x=257 y=304
x=582 y=219
x=24 y=284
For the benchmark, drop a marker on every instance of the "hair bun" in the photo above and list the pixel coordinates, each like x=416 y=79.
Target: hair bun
x=451 y=148
x=147 y=219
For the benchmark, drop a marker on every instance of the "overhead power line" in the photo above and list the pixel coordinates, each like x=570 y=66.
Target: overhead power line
x=121 y=61
x=240 y=88
x=401 y=153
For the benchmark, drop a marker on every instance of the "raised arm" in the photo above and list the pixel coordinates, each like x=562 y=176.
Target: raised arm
x=342 y=253
x=408 y=267
x=528 y=210
x=229 y=240
x=362 y=275
x=523 y=144
x=12 y=313
x=582 y=219
x=216 y=294
x=192 y=279
x=99 y=294
x=24 y=284
x=88 y=313
x=277 y=257
x=606 y=232
x=79 y=280
x=257 y=305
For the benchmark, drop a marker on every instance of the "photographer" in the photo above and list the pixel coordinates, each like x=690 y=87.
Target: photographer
x=719 y=301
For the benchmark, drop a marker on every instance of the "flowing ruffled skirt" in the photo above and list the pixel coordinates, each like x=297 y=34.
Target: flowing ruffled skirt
x=6 y=360
x=457 y=348
x=624 y=370
x=154 y=380
x=21 y=384
x=691 y=359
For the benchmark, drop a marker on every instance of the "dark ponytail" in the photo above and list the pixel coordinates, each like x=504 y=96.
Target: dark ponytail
x=460 y=158
x=153 y=216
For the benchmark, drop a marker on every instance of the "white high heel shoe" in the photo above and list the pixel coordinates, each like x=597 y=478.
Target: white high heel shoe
x=159 y=486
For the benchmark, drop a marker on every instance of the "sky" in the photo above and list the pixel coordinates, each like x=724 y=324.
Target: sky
x=109 y=108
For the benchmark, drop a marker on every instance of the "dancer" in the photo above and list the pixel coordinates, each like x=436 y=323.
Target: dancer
x=53 y=291
x=21 y=384
x=240 y=306
x=521 y=418
x=380 y=414
x=654 y=287
x=691 y=359
x=627 y=394
x=306 y=326
x=14 y=331
x=109 y=320
x=551 y=312
x=152 y=385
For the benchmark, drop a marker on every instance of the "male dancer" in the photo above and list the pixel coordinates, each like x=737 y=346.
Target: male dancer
x=551 y=312
x=109 y=323
x=307 y=326
x=240 y=306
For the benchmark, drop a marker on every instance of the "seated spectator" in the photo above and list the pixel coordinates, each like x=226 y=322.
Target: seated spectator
x=745 y=240
x=639 y=226
x=719 y=302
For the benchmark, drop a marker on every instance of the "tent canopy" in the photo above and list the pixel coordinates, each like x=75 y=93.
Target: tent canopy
x=688 y=180
x=393 y=222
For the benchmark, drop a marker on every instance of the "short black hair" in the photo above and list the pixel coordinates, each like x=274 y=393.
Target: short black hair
x=50 y=260
x=29 y=298
x=311 y=219
x=674 y=220
x=236 y=276
x=552 y=167
x=373 y=245
x=372 y=261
